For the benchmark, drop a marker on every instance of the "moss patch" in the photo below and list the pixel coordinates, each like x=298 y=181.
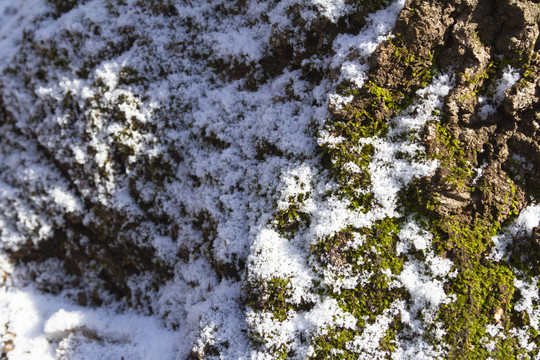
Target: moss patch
x=374 y=258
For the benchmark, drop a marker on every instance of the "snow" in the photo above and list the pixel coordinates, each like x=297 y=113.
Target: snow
x=529 y=294
x=367 y=344
x=39 y=321
x=509 y=77
x=225 y=158
x=424 y=292
x=332 y=9
x=359 y=46
x=522 y=226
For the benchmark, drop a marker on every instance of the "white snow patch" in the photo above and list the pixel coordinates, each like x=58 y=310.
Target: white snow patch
x=424 y=292
x=529 y=300
x=44 y=325
x=528 y=219
x=509 y=78
x=332 y=9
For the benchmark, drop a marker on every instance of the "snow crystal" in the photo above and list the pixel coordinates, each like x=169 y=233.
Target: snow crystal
x=244 y=154
x=66 y=200
x=424 y=292
x=367 y=344
x=332 y=9
x=510 y=77
x=529 y=300
x=355 y=73
x=522 y=226
x=41 y=322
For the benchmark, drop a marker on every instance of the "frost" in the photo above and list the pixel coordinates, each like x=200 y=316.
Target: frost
x=296 y=182
x=66 y=200
x=523 y=339
x=332 y=9
x=529 y=300
x=360 y=46
x=153 y=153
x=39 y=320
x=522 y=226
x=339 y=101
x=355 y=73
x=412 y=233
x=367 y=344
x=274 y=256
x=425 y=292
x=389 y=177
x=510 y=77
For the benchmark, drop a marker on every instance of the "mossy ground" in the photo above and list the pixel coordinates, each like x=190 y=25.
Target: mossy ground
x=482 y=290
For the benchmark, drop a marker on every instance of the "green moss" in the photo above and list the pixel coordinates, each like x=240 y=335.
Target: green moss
x=478 y=78
x=388 y=343
x=454 y=158
x=529 y=66
x=415 y=200
x=347 y=88
x=368 y=119
x=271 y=295
x=349 y=166
x=422 y=71
x=375 y=256
x=482 y=288
x=289 y=220
x=467 y=242
x=390 y=98
x=419 y=70
x=348 y=161
x=332 y=345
